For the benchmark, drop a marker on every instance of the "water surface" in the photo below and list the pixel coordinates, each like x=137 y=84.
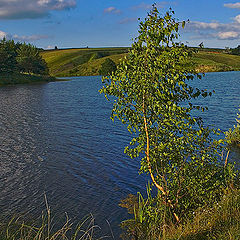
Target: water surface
x=57 y=138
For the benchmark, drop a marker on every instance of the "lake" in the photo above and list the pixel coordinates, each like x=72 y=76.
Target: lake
x=57 y=139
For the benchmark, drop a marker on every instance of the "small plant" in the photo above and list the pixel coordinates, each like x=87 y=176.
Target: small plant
x=233 y=135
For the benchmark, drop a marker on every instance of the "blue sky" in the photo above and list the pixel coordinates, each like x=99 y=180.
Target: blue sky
x=106 y=23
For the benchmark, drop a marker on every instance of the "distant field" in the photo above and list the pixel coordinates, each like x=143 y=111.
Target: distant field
x=80 y=62
x=87 y=61
x=216 y=62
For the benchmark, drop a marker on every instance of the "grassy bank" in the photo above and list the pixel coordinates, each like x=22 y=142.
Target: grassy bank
x=20 y=78
x=219 y=222
x=88 y=61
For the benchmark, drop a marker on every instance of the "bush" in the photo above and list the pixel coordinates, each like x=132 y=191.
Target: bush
x=107 y=67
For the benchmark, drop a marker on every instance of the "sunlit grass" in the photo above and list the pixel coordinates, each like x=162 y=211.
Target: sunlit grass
x=222 y=221
x=46 y=229
x=87 y=61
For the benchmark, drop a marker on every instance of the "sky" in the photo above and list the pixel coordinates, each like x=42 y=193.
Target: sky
x=109 y=23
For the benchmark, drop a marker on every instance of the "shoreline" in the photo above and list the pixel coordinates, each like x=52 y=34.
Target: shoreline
x=11 y=79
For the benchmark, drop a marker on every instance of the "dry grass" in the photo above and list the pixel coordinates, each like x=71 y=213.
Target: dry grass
x=47 y=230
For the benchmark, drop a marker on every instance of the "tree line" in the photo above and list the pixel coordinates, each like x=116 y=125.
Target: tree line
x=21 y=58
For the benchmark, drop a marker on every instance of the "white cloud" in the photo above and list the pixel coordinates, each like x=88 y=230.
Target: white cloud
x=237 y=19
x=220 y=31
x=128 y=20
x=142 y=6
x=214 y=26
x=146 y=6
x=2 y=34
x=204 y=25
x=232 y=5
x=29 y=38
x=50 y=47
x=19 y=9
x=112 y=10
x=228 y=35
x=22 y=38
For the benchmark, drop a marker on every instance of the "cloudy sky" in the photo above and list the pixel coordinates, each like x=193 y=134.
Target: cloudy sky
x=100 y=23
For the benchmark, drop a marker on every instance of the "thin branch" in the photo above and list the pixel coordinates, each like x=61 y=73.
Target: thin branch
x=226 y=160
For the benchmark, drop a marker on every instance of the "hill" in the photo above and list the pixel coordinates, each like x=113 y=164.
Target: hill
x=80 y=62
x=88 y=61
x=210 y=61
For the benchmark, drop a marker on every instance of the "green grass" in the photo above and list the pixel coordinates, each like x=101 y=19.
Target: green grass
x=79 y=62
x=46 y=229
x=220 y=222
x=87 y=61
x=20 y=78
x=215 y=62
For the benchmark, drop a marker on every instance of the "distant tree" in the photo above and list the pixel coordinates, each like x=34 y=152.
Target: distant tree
x=227 y=50
x=56 y=48
x=107 y=67
x=201 y=45
x=30 y=61
x=236 y=51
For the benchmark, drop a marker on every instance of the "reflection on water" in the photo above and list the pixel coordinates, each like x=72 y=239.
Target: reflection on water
x=57 y=138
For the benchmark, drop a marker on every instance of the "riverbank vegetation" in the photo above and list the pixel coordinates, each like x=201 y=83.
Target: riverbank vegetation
x=190 y=178
x=233 y=135
x=221 y=221
x=21 y=78
x=21 y=63
x=47 y=228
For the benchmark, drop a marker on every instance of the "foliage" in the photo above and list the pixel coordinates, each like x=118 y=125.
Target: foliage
x=221 y=221
x=107 y=67
x=235 y=51
x=153 y=98
x=30 y=61
x=8 y=55
x=233 y=135
x=21 y=78
x=18 y=57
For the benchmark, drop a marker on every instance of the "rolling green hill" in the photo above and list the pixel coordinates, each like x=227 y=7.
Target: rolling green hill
x=88 y=61
x=216 y=62
x=80 y=62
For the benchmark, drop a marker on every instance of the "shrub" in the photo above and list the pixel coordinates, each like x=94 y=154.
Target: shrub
x=107 y=67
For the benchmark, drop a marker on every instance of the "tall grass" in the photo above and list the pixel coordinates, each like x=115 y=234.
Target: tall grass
x=47 y=230
x=222 y=221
